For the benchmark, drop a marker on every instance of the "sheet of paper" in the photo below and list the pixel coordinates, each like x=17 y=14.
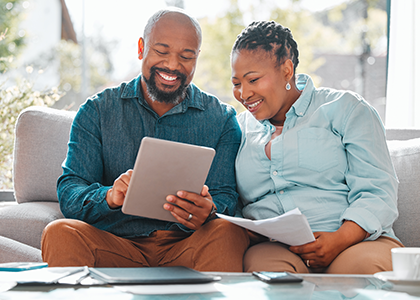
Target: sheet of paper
x=291 y=228
x=39 y=276
x=169 y=289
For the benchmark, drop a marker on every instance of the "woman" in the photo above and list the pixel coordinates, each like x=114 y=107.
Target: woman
x=321 y=150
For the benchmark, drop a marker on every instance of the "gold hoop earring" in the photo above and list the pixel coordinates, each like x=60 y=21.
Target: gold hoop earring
x=288 y=87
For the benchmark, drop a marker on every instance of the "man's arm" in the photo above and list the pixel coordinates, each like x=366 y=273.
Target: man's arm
x=80 y=192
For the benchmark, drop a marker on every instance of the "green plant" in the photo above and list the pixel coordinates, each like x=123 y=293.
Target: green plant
x=13 y=99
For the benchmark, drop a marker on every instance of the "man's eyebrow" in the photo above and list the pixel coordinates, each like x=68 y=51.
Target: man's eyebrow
x=162 y=44
x=167 y=46
x=190 y=50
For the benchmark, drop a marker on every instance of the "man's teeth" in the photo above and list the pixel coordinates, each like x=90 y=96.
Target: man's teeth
x=254 y=104
x=169 y=78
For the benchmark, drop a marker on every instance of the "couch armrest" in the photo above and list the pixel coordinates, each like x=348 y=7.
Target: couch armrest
x=405 y=155
x=41 y=138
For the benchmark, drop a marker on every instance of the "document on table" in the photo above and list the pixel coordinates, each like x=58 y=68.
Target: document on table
x=291 y=228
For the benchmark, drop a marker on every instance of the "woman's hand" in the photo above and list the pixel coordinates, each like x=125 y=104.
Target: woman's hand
x=328 y=245
x=190 y=209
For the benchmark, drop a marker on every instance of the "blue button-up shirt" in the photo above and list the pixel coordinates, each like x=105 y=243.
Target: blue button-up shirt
x=104 y=141
x=331 y=161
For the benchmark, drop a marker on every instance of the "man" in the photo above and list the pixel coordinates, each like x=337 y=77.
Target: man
x=104 y=140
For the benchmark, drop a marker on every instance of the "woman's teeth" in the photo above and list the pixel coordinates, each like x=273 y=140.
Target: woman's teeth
x=254 y=104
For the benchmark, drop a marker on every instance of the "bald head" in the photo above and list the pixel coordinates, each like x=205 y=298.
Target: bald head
x=176 y=14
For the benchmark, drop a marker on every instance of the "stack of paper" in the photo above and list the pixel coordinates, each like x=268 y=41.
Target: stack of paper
x=291 y=228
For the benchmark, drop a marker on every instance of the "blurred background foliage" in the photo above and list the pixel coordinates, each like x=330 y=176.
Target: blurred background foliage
x=355 y=28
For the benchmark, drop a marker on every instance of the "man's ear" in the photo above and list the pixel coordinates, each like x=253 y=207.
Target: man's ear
x=141 y=48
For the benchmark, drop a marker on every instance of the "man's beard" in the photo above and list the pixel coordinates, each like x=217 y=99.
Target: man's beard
x=166 y=97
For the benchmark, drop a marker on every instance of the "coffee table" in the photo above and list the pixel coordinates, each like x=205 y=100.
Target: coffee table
x=238 y=286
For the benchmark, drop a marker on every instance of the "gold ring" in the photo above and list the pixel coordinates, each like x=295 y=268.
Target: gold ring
x=307 y=263
x=190 y=217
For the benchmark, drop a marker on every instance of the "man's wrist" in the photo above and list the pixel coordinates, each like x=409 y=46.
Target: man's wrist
x=212 y=214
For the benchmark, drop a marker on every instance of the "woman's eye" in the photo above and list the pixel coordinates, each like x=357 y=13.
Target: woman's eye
x=253 y=80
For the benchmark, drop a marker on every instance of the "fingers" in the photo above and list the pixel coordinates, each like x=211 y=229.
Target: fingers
x=116 y=195
x=304 y=249
x=190 y=209
x=205 y=191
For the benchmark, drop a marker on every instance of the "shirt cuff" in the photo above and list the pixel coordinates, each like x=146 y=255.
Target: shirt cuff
x=366 y=220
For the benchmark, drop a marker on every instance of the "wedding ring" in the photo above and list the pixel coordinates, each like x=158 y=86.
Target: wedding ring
x=307 y=263
x=190 y=217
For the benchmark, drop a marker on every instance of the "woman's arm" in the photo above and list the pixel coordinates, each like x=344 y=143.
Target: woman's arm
x=328 y=245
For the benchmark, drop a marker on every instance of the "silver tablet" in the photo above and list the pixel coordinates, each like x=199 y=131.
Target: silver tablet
x=163 y=168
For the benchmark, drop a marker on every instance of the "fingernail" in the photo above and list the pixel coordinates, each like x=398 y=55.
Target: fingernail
x=167 y=206
x=180 y=194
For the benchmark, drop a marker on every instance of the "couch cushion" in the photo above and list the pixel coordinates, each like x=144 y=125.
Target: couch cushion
x=40 y=148
x=405 y=156
x=26 y=221
x=13 y=251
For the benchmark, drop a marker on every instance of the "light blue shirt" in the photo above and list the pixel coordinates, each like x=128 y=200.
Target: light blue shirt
x=331 y=161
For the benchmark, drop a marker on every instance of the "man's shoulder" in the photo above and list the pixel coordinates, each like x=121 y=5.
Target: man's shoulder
x=209 y=101
x=109 y=96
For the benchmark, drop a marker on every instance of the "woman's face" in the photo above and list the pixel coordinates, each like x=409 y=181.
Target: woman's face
x=259 y=84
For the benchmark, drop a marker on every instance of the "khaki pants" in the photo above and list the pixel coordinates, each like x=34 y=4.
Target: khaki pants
x=363 y=258
x=217 y=246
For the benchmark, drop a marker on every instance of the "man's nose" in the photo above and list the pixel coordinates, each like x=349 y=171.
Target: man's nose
x=172 y=62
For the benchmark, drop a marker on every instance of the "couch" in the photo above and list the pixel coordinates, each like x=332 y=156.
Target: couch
x=40 y=148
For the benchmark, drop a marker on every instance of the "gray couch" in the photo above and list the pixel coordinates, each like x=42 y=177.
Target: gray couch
x=40 y=148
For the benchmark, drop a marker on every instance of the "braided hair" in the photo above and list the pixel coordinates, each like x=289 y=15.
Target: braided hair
x=269 y=36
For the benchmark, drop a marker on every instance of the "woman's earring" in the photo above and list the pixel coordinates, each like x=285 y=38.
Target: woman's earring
x=288 y=87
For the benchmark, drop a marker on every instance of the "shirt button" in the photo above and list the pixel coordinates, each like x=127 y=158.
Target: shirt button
x=281 y=192
x=275 y=173
x=300 y=114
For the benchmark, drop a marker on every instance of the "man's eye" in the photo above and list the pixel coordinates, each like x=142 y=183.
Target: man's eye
x=160 y=52
x=253 y=80
x=187 y=57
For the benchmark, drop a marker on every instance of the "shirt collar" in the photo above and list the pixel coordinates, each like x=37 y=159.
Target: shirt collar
x=193 y=99
x=305 y=84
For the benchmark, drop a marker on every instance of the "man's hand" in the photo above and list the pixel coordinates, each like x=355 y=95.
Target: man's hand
x=328 y=245
x=190 y=209
x=116 y=195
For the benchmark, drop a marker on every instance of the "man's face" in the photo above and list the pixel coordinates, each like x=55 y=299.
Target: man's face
x=170 y=58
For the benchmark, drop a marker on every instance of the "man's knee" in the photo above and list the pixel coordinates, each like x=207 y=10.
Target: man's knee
x=59 y=228
x=221 y=228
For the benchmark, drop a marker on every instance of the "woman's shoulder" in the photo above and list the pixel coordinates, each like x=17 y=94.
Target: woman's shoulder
x=331 y=94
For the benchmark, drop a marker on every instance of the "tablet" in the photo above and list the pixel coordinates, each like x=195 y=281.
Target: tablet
x=163 y=168
x=151 y=275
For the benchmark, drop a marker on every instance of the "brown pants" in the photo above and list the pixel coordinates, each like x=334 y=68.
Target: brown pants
x=363 y=258
x=217 y=246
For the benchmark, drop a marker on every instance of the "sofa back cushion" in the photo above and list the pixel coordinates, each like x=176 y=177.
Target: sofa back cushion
x=405 y=156
x=41 y=138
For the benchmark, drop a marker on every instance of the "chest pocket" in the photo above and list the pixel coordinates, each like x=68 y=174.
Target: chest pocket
x=317 y=149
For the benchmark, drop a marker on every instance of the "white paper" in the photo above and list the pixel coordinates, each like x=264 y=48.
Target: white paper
x=291 y=228
x=40 y=276
x=170 y=289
